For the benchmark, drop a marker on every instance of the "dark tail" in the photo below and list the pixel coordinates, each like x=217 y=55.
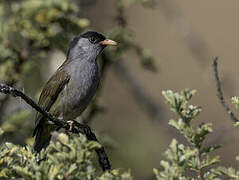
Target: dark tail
x=42 y=139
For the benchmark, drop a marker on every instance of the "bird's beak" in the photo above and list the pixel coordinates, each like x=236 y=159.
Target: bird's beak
x=108 y=42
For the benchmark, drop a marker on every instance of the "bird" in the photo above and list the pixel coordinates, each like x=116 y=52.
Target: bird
x=71 y=88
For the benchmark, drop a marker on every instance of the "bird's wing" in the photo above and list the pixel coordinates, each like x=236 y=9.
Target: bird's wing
x=50 y=93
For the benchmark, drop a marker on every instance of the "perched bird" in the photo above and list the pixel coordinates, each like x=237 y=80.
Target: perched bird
x=71 y=88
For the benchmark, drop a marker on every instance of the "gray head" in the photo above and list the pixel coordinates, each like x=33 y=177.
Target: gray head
x=88 y=46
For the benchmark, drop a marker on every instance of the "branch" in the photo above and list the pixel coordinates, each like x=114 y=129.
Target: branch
x=76 y=127
x=5 y=100
x=220 y=93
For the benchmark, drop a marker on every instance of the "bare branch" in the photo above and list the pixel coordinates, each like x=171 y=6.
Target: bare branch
x=220 y=93
x=76 y=127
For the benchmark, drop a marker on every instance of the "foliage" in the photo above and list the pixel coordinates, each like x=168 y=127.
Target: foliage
x=235 y=101
x=73 y=157
x=67 y=158
x=31 y=29
x=191 y=161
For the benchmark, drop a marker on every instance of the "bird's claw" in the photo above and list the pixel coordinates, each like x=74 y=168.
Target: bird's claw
x=70 y=124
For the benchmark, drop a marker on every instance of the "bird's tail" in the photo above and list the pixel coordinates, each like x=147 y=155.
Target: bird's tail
x=42 y=139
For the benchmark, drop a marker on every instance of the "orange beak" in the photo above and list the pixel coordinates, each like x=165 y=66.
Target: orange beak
x=108 y=42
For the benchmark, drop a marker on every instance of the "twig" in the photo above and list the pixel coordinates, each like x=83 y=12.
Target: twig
x=5 y=100
x=76 y=127
x=220 y=93
x=199 y=173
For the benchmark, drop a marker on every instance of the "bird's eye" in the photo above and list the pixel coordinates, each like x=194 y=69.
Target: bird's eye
x=92 y=40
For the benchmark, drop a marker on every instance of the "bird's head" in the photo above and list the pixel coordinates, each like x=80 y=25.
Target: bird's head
x=88 y=45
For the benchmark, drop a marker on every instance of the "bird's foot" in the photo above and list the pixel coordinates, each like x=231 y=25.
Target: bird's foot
x=70 y=122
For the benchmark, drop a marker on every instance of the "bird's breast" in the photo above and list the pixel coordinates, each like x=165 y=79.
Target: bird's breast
x=80 y=89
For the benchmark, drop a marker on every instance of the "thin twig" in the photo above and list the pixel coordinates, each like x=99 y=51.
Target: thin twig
x=220 y=93
x=76 y=127
x=5 y=100
x=199 y=171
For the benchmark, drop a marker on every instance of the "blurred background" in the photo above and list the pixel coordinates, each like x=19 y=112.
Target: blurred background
x=163 y=45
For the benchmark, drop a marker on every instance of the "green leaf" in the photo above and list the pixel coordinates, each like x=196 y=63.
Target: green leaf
x=235 y=101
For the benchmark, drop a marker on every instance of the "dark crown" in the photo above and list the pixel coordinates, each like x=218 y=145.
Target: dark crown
x=87 y=34
x=94 y=34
